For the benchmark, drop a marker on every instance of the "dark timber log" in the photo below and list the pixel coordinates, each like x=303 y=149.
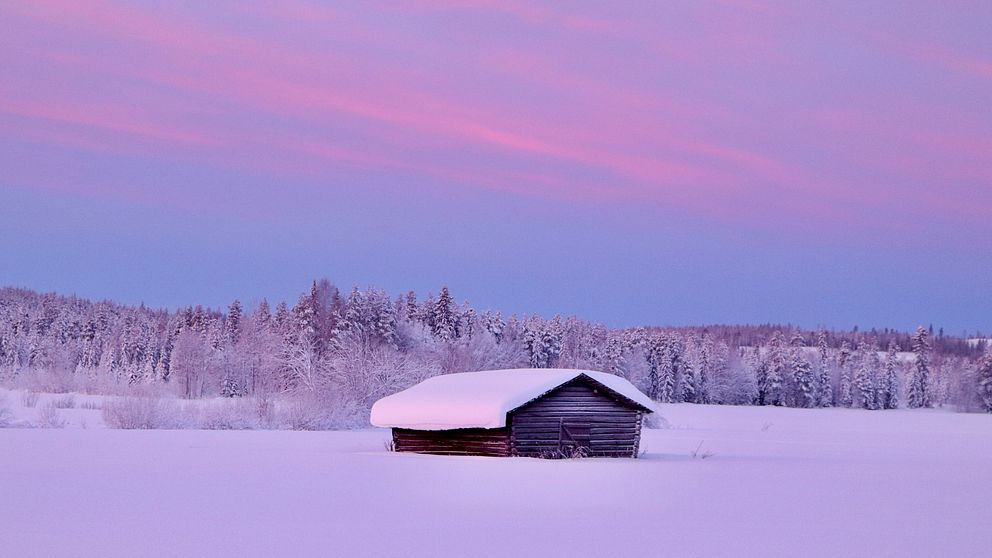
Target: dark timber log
x=464 y=441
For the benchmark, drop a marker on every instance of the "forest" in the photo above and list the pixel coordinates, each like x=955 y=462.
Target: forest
x=331 y=355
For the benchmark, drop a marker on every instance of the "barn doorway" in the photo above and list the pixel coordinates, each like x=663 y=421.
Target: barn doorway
x=574 y=439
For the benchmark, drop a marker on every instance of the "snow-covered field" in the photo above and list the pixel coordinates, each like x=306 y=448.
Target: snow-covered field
x=774 y=482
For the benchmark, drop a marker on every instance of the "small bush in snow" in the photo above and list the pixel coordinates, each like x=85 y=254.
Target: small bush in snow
x=138 y=413
x=700 y=453
x=655 y=420
x=234 y=414
x=49 y=417
x=6 y=415
x=66 y=402
x=29 y=398
x=311 y=412
x=90 y=406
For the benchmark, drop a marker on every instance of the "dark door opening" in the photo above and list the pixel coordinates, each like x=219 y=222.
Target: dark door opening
x=574 y=439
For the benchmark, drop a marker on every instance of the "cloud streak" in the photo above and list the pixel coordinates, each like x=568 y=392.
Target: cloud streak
x=686 y=108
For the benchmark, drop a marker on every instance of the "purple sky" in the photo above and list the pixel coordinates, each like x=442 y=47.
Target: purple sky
x=821 y=163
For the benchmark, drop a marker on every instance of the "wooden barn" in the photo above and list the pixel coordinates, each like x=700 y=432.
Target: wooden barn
x=522 y=412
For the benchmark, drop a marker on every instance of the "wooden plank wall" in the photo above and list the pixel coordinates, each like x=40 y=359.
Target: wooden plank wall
x=465 y=441
x=615 y=428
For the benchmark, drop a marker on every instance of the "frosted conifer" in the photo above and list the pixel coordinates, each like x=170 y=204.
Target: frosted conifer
x=918 y=394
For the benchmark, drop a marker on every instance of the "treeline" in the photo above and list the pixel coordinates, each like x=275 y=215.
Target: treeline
x=341 y=352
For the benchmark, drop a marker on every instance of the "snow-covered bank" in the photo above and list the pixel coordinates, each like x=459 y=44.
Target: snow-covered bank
x=775 y=482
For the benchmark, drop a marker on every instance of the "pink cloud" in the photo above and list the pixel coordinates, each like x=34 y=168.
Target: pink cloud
x=570 y=122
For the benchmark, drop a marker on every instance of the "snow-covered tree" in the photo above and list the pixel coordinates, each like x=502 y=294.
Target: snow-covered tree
x=985 y=381
x=824 y=385
x=494 y=324
x=655 y=354
x=918 y=392
x=889 y=395
x=370 y=317
x=543 y=341
x=864 y=379
x=443 y=318
x=232 y=326
x=844 y=362
x=774 y=389
x=802 y=374
x=262 y=313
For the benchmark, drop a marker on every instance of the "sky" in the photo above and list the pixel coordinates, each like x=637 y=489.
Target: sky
x=632 y=163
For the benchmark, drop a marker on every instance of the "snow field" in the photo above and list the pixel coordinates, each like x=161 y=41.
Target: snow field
x=722 y=481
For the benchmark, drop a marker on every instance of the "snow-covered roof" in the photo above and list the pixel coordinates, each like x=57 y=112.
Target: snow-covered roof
x=482 y=399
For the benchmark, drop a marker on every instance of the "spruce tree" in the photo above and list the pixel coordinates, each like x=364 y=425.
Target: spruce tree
x=802 y=374
x=704 y=368
x=687 y=392
x=825 y=392
x=494 y=324
x=443 y=320
x=262 y=315
x=760 y=366
x=985 y=381
x=865 y=377
x=919 y=383
x=232 y=326
x=656 y=354
x=776 y=372
x=411 y=307
x=890 y=397
x=846 y=395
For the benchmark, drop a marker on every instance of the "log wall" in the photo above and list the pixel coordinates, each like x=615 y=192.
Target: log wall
x=464 y=441
x=576 y=417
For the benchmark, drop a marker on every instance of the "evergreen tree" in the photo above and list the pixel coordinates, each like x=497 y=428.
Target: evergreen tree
x=542 y=341
x=825 y=392
x=760 y=366
x=232 y=327
x=776 y=372
x=671 y=368
x=494 y=324
x=802 y=374
x=844 y=364
x=412 y=309
x=466 y=321
x=919 y=383
x=444 y=322
x=262 y=315
x=985 y=381
x=890 y=393
x=305 y=314
x=687 y=384
x=654 y=353
x=370 y=317
x=704 y=368
x=282 y=315
x=865 y=377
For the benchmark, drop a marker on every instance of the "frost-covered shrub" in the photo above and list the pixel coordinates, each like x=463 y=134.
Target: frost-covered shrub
x=655 y=420
x=66 y=402
x=234 y=414
x=316 y=413
x=130 y=413
x=49 y=417
x=6 y=415
x=29 y=398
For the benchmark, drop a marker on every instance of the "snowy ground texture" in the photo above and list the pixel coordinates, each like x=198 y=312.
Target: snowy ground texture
x=774 y=482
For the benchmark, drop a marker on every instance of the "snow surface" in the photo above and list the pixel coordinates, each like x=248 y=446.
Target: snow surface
x=482 y=399
x=775 y=482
